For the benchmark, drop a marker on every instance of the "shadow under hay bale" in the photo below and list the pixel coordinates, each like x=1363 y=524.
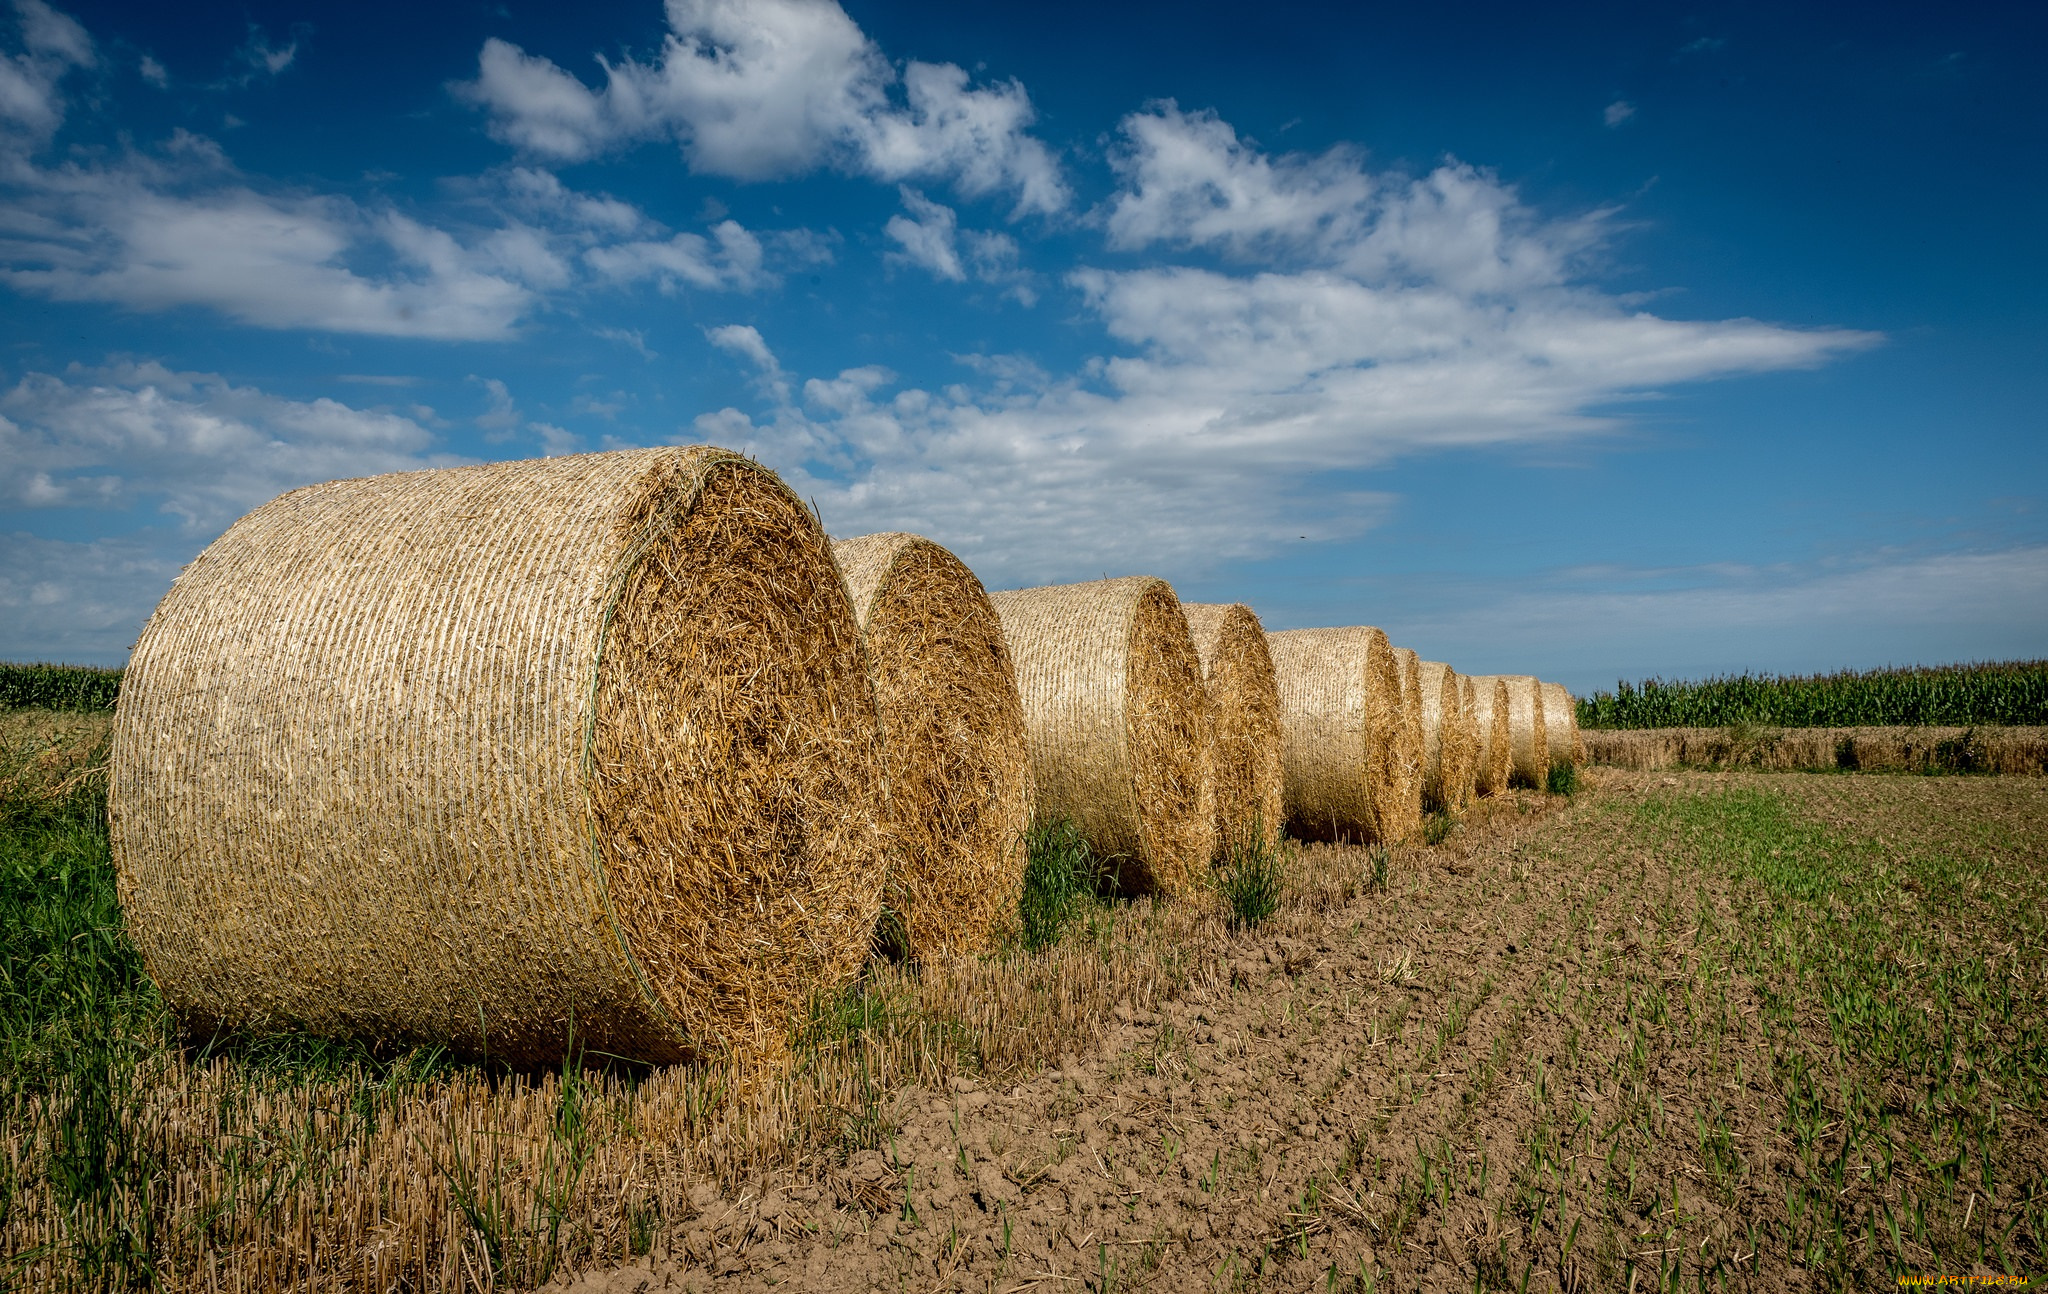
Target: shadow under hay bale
x=959 y=778
x=1116 y=722
x=1244 y=723
x=1449 y=761
x=1487 y=698
x=1342 y=746
x=485 y=755
x=1561 y=725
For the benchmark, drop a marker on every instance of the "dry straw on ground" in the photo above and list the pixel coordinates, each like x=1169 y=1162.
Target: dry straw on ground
x=2012 y=751
x=952 y=741
x=487 y=754
x=1448 y=758
x=1410 y=666
x=1561 y=725
x=1244 y=721
x=1116 y=721
x=1495 y=750
x=1342 y=744
x=1528 y=737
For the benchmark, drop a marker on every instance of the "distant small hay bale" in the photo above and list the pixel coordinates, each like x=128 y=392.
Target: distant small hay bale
x=1528 y=736
x=1409 y=663
x=488 y=755
x=1342 y=746
x=1244 y=720
x=959 y=777
x=1448 y=758
x=1561 y=725
x=1495 y=750
x=1116 y=721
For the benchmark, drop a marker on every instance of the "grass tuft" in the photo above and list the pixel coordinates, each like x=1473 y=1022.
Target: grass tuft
x=1250 y=878
x=1563 y=779
x=1059 y=877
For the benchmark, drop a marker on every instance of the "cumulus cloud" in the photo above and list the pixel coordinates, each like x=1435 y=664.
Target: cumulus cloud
x=193 y=445
x=1383 y=315
x=758 y=89
x=30 y=104
x=928 y=236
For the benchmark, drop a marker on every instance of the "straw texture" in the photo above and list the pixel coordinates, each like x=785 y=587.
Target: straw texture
x=1494 y=750
x=1448 y=759
x=1409 y=665
x=1528 y=735
x=1244 y=721
x=1342 y=748
x=959 y=778
x=1561 y=725
x=1117 y=722
x=488 y=754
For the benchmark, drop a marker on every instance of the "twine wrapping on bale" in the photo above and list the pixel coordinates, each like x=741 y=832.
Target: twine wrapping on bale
x=1494 y=750
x=1244 y=722
x=1116 y=721
x=1409 y=663
x=577 y=752
x=1561 y=725
x=1448 y=760
x=1342 y=747
x=1528 y=736
x=959 y=779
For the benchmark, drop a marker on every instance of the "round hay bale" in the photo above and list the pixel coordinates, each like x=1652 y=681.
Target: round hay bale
x=1494 y=749
x=494 y=756
x=1561 y=725
x=1116 y=722
x=959 y=778
x=1409 y=663
x=1244 y=721
x=1528 y=737
x=1341 y=739
x=1448 y=760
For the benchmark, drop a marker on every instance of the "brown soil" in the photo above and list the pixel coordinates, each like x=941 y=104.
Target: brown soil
x=1520 y=1066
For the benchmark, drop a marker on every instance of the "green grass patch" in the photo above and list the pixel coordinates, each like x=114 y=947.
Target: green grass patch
x=1059 y=879
x=1250 y=879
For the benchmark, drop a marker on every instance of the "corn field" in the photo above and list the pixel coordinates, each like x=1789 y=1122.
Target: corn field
x=2004 y=692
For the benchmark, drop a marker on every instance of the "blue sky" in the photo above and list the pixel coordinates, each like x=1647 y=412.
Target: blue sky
x=1626 y=341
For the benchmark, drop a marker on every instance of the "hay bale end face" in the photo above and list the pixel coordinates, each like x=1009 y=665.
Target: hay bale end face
x=1561 y=725
x=1528 y=736
x=1448 y=761
x=1244 y=721
x=959 y=778
x=1410 y=665
x=493 y=756
x=1116 y=721
x=1494 y=749
x=1341 y=737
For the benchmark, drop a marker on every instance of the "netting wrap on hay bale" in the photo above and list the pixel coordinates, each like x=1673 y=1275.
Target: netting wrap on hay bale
x=1528 y=736
x=1495 y=747
x=1561 y=725
x=1244 y=720
x=487 y=754
x=1448 y=758
x=1341 y=740
x=1116 y=721
x=959 y=777
x=1409 y=663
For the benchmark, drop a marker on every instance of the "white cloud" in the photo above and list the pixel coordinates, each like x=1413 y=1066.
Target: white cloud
x=730 y=260
x=927 y=236
x=154 y=72
x=79 y=602
x=30 y=106
x=198 y=447
x=264 y=60
x=758 y=89
x=1617 y=112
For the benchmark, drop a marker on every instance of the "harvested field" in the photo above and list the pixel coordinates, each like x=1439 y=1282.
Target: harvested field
x=2019 y=751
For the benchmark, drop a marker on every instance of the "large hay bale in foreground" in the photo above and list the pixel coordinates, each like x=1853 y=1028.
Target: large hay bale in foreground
x=959 y=778
x=1342 y=745
x=489 y=754
x=1528 y=736
x=1561 y=725
x=1244 y=721
x=1448 y=758
x=1116 y=721
x=1487 y=698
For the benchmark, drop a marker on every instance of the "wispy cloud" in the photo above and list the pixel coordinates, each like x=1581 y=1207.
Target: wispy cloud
x=1617 y=112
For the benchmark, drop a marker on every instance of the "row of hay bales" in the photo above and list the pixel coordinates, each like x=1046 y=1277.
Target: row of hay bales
x=620 y=751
